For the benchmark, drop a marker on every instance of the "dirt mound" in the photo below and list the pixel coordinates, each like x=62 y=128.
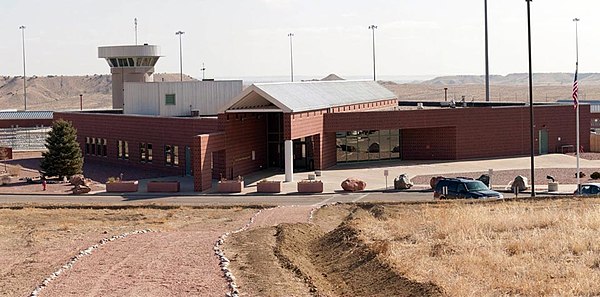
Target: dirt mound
x=340 y=263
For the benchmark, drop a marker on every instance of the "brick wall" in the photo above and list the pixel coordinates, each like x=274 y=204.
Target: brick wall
x=159 y=131
x=26 y=123
x=245 y=133
x=480 y=132
x=204 y=146
x=437 y=143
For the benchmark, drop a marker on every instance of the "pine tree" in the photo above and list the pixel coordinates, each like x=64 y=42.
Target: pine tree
x=63 y=157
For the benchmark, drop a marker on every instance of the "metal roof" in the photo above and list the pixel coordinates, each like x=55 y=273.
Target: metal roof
x=305 y=96
x=26 y=115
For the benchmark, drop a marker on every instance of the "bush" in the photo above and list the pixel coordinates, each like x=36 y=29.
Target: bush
x=595 y=175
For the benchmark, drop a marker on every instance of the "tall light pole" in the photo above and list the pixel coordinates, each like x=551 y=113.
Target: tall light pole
x=373 y=27
x=531 y=130
x=575 y=90
x=203 y=69
x=24 y=75
x=180 y=61
x=291 y=35
x=135 y=24
x=487 y=64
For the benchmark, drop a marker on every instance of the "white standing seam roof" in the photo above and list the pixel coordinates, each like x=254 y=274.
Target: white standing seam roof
x=305 y=96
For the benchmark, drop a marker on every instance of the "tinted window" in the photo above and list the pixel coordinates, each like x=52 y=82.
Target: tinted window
x=476 y=186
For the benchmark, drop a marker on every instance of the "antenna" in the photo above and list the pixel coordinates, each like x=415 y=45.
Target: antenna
x=203 y=69
x=135 y=23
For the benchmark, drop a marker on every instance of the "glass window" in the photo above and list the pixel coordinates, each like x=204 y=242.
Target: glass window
x=175 y=155
x=126 y=150
x=170 y=99
x=131 y=63
x=149 y=152
x=367 y=145
x=340 y=144
x=87 y=145
x=119 y=149
x=374 y=145
x=93 y=145
x=142 y=152
x=168 y=159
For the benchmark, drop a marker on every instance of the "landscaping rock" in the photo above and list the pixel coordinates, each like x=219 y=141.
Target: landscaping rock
x=434 y=180
x=353 y=184
x=402 y=182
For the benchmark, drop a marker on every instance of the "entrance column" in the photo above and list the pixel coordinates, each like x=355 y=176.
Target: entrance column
x=288 y=156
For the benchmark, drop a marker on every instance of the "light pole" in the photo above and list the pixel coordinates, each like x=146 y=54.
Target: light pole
x=135 y=24
x=531 y=130
x=291 y=35
x=203 y=69
x=373 y=27
x=80 y=101
x=487 y=64
x=24 y=75
x=180 y=61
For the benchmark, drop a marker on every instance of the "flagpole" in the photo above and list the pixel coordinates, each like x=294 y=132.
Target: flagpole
x=576 y=20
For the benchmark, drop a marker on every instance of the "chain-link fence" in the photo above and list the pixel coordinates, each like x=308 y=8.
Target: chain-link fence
x=30 y=138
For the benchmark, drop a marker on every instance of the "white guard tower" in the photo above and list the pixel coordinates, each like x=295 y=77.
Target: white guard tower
x=129 y=63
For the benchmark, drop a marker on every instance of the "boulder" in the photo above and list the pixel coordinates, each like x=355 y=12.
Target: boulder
x=519 y=183
x=434 y=180
x=77 y=180
x=485 y=178
x=353 y=184
x=402 y=182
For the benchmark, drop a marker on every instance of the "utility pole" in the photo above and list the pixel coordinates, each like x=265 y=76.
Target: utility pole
x=135 y=24
x=531 y=131
x=487 y=64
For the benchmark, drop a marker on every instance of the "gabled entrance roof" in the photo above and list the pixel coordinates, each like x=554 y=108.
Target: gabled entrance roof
x=305 y=96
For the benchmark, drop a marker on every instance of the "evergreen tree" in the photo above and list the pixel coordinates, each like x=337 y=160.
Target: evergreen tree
x=63 y=157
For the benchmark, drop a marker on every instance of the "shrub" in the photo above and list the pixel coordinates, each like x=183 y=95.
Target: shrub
x=595 y=175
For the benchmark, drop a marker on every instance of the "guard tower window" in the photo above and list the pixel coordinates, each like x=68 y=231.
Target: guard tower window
x=170 y=99
x=131 y=63
x=123 y=63
x=113 y=63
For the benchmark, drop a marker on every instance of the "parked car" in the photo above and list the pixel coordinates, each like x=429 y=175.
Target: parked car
x=589 y=189
x=460 y=188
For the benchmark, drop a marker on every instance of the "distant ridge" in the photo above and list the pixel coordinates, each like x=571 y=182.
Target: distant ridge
x=331 y=77
x=58 y=92
x=548 y=79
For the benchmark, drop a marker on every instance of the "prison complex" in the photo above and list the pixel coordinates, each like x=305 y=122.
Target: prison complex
x=219 y=129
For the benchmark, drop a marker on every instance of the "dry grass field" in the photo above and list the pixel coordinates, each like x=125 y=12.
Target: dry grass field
x=527 y=248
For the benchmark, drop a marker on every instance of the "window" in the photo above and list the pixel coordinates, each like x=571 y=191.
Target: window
x=367 y=145
x=146 y=152
x=122 y=150
x=95 y=146
x=171 y=155
x=170 y=99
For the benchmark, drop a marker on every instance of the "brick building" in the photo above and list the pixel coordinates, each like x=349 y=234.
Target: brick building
x=315 y=125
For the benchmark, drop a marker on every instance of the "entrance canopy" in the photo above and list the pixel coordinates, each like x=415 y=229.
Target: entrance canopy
x=306 y=96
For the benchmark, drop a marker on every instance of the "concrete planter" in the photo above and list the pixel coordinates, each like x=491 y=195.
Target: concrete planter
x=310 y=187
x=230 y=186
x=122 y=186
x=268 y=187
x=163 y=186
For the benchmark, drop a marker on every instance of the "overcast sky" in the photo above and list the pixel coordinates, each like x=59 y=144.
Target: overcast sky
x=245 y=38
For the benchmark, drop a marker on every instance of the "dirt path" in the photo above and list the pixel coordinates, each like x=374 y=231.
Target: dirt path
x=178 y=263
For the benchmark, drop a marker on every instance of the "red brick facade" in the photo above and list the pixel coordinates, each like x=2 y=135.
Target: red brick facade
x=26 y=123
x=236 y=143
x=135 y=129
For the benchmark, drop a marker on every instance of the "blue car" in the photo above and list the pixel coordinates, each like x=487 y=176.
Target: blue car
x=463 y=188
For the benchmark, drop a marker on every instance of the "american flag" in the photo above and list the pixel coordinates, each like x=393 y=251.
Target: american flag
x=575 y=88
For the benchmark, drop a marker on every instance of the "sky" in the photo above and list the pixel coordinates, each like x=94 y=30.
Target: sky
x=248 y=38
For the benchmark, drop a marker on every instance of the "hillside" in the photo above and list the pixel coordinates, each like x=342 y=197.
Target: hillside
x=517 y=79
x=62 y=92
x=548 y=87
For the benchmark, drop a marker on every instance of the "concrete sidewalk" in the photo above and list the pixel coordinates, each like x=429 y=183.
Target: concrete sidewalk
x=373 y=174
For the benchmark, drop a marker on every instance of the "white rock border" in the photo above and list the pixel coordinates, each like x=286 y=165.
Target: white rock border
x=80 y=255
